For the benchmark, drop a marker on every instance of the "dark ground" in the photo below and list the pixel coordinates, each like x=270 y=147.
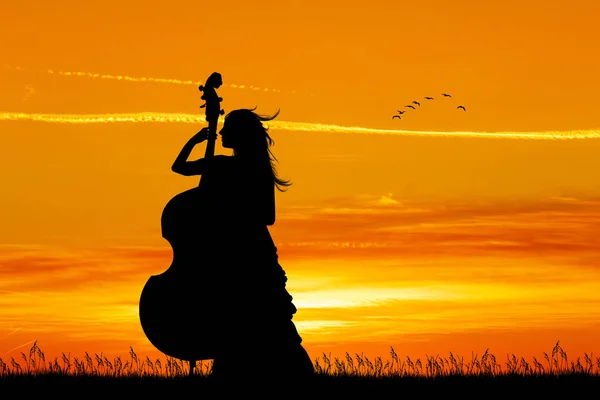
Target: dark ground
x=569 y=386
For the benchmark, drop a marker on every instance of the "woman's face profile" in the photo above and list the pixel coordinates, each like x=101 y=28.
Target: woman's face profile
x=228 y=135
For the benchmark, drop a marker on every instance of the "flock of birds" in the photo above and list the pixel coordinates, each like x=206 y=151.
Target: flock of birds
x=419 y=104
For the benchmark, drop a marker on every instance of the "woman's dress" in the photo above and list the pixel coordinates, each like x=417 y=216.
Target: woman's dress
x=255 y=310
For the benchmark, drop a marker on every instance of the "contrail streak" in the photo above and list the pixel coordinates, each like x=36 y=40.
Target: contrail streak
x=18 y=347
x=143 y=79
x=155 y=117
x=13 y=331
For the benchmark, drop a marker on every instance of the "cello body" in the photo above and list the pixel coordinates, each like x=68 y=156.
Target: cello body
x=176 y=307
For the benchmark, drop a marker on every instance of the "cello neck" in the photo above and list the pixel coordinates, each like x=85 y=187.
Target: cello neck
x=210 y=142
x=213 y=109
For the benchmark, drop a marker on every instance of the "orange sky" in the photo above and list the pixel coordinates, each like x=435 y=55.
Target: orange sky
x=428 y=243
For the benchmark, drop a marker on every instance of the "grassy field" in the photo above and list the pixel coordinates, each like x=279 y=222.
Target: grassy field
x=483 y=375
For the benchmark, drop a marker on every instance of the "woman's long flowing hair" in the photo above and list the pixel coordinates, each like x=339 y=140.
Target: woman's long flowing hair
x=254 y=142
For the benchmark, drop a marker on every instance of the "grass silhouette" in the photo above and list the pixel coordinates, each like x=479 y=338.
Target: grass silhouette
x=553 y=373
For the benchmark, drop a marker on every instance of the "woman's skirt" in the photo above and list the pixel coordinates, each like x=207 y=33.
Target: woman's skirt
x=255 y=321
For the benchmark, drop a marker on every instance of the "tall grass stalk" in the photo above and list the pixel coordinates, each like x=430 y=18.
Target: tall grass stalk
x=554 y=364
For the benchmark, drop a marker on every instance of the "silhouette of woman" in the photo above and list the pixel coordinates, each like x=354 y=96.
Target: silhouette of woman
x=254 y=324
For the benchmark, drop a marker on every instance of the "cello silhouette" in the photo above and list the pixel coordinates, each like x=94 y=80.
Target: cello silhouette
x=175 y=306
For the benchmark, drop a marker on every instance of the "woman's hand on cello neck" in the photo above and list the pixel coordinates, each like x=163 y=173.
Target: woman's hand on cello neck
x=181 y=165
x=201 y=136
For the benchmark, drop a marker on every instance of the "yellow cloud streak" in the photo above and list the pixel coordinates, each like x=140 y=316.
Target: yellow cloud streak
x=154 y=80
x=144 y=79
x=290 y=125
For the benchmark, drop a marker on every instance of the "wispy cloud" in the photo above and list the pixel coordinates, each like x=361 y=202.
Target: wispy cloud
x=147 y=79
x=158 y=117
x=364 y=268
x=381 y=239
x=29 y=91
x=507 y=234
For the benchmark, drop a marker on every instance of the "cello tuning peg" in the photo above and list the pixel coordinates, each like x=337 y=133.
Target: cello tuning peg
x=220 y=99
x=221 y=112
x=203 y=105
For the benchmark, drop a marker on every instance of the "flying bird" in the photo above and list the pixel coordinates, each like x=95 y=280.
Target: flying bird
x=417 y=103
x=463 y=107
x=428 y=98
x=400 y=112
x=396 y=116
x=409 y=106
x=446 y=95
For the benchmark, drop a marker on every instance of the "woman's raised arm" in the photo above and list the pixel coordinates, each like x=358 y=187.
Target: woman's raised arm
x=181 y=165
